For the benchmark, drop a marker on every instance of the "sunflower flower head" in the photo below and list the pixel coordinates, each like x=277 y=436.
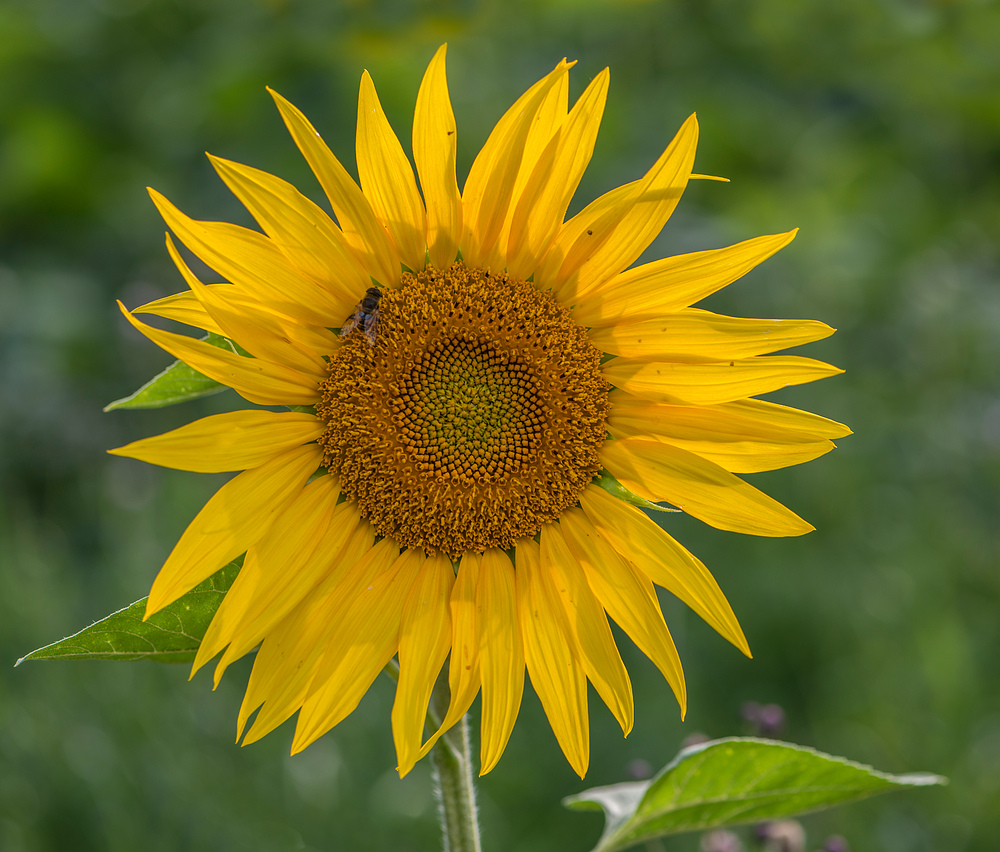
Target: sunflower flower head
x=475 y=383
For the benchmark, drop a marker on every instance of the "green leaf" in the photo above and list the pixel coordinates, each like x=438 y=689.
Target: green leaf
x=729 y=782
x=170 y=636
x=177 y=383
x=606 y=481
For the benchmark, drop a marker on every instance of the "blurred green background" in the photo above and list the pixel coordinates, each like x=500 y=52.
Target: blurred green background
x=872 y=126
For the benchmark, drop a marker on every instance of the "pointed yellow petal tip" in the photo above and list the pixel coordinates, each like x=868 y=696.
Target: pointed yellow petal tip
x=279 y=99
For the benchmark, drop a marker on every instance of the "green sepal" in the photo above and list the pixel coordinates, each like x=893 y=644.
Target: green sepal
x=606 y=481
x=731 y=782
x=177 y=383
x=172 y=635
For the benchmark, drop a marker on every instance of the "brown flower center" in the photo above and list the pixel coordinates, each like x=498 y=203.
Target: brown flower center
x=474 y=419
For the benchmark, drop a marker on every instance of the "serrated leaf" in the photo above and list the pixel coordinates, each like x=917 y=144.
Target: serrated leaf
x=730 y=782
x=606 y=481
x=170 y=636
x=177 y=383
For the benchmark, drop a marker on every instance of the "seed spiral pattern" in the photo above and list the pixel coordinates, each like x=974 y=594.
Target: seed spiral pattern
x=475 y=418
x=470 y=412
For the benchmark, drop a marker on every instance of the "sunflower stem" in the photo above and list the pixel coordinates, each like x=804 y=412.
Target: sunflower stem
x=454 y=780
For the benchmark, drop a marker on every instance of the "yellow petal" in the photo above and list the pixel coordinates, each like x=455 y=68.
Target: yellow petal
x=739 y=438
x=742 y=420
x=463 y=671
x=695 y=335
x=660 y=472
x=549 y=117
x=736 y=456
x=275 y=575
x=292 y=653
x=489 y=189
x=594 y=644
x=501 y=655
x=251 y=325
x=251 y=261
x=237 y=440
x=254 y=379
x=424 y=641
x=604 y=239
x=185 y=308
x=542 y=205
x=645 y=544
x=342 y=543
x=556 y=674
x=387 y=179
x=301 y=230
x=627 y=595
x=288 y=565
x=363 y=642
x=663 y=286
x=231 y=522
x=435 y=142
x=361 y=228
x=708 y=384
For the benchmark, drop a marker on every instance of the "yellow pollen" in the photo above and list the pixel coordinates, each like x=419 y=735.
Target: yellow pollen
x=475 y=418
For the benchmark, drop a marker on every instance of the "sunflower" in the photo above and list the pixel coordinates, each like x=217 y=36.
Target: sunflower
x=482 y=397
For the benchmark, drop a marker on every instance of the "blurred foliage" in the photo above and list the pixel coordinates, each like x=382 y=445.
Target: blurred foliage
x=872 y=126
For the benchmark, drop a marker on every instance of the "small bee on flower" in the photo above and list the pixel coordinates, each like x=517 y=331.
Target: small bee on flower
x=366 y=314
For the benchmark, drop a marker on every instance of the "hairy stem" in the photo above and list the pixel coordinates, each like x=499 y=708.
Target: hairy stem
x=454 y=779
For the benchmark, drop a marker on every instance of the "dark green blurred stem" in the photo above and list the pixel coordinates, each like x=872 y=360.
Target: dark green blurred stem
x=454 y=777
